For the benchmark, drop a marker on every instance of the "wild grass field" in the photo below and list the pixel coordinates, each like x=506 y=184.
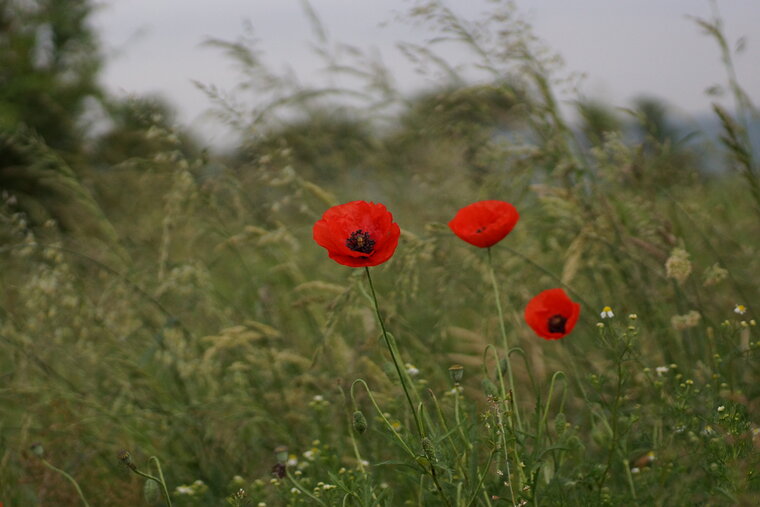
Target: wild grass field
x=169 y=326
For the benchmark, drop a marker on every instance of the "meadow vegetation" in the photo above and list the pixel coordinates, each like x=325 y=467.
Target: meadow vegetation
x=163 y=301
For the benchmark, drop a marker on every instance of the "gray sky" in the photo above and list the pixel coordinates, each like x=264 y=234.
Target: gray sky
x=624 y=47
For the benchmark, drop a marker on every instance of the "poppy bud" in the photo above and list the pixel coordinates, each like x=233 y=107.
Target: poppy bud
x=456 y=371
x=503 y=366
x=151 y=492
x=360 y=422
x=490 y=388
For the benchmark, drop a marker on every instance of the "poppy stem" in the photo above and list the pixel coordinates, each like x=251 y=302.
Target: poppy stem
x=69 y=477
x=393 y=355
x=504 y=340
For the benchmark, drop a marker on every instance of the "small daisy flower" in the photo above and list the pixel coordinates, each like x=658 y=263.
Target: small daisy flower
x=740 y=309
x=607 y=313
x=412 y=370
x=721 y=408
x=661 y=370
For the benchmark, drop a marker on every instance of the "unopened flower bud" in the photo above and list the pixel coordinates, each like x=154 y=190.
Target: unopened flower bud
x=490 y=388
x=152 y=493
x=503 y=366
x=360 y=422
x=456 y=371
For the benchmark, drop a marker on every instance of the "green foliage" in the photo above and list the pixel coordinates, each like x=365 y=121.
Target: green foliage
x=223 y=340
x=48 y=68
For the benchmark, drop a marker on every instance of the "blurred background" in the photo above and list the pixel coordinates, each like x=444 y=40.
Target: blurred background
x=621 y=50
x=162 y=164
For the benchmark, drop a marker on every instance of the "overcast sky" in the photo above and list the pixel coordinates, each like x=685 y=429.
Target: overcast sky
x=624 y=47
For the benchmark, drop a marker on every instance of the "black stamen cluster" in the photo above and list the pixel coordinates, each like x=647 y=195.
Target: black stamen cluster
x=360 y=241
x=557 y=323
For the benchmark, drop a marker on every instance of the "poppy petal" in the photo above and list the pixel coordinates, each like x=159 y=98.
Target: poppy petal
x=484 y=223
x=357 y=221
x=549 y=310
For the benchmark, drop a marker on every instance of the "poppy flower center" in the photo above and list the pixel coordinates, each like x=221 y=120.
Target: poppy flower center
x=557 y=323
x=360 y=241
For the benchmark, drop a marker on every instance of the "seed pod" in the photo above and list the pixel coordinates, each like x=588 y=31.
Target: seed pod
x=126 y=458
x=456 y=371
x=360 y=422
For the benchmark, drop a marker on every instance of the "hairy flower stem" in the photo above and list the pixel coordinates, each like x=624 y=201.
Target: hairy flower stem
x=614 y=436
x=70 y=478
x=382 y=415
x=303 y=490
x=505 y=342
x=158 y=480
x=161 y=478
x=393 y=355
x=417 y=421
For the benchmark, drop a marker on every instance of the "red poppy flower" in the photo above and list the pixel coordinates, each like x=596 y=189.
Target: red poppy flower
x=358 y=233
x=484 y=223
x=552 y=314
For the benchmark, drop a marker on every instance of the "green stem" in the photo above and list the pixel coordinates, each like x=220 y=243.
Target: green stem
x=393 y=354
x=382 y=415
x=463 y=458
x=161 y=477
x=482 y=478
x=520 y=474
x=505 y=342
x=402 y=378
x=465 y=440
x=542 y=424
x=304 y=490
x=70 y=478
x=614 y=429
x=351 y=432
x=157 y=480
